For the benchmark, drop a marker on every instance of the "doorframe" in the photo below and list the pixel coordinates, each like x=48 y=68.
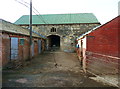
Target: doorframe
x=11 y=48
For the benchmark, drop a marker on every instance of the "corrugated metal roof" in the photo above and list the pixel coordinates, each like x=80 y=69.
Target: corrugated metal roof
x=59 y=19
x=12 y=28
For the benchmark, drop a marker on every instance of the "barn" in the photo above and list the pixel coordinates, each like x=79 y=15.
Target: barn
x=14 y=43
x=61 y=30
x=102 y=54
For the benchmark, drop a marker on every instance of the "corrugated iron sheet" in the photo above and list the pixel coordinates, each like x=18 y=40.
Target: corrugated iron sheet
x=59 y=19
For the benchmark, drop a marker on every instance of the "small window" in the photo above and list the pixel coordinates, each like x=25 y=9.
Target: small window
x=22 y=41
x=53 y=29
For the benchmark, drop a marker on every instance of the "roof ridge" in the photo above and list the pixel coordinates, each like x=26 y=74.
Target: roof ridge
x=60 y=14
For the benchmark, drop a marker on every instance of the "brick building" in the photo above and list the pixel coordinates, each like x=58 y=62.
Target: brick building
x=103 y=44
x=102 y=49
x=61 y=30
x=14 y=43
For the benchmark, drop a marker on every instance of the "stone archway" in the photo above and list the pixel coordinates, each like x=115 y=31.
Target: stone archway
x=53 y=41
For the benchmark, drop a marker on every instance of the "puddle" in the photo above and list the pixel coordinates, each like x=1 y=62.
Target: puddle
x=22 y=80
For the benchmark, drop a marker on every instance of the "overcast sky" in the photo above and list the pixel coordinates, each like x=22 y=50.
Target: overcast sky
x=104 y=10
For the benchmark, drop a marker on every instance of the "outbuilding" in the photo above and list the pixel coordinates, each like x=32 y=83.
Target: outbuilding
x=14 y=43
x=101 y=48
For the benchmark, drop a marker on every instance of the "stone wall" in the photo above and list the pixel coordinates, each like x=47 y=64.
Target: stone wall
x=68 y=33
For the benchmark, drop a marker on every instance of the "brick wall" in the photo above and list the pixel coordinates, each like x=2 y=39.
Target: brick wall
x=119 y=36
x=104 y=40
x=36 y=52
x=0 y=49
x=10 y=30
x=5 y=48
x=26 y=46
x=102 y=64
x=103 y=48
x=23 y=49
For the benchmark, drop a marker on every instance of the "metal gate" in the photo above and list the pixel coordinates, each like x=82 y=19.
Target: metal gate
x=39 y=45
x=14 y=48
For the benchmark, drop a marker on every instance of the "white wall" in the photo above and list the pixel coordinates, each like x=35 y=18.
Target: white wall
x=84 y=42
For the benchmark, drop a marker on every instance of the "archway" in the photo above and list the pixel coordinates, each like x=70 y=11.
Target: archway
x=53 y=41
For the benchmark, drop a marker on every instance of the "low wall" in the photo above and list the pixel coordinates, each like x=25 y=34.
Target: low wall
x=102 y=64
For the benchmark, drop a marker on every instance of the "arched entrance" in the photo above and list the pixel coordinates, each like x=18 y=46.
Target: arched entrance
x=53 y=41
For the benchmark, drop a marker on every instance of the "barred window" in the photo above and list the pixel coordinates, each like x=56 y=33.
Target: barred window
x=53 y=29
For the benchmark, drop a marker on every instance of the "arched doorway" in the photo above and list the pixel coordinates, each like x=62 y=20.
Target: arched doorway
x=53 y=41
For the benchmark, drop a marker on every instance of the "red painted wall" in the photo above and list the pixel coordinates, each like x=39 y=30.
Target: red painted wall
x=0 y=49
x=5 y=48
x=103 y=49
x=119 y=37
x=104 y=40
x=23 y=50
x=36 y=52
x=26 y=46
x=102 y=64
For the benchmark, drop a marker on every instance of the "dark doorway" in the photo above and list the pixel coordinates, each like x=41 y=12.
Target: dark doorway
x=54 y=41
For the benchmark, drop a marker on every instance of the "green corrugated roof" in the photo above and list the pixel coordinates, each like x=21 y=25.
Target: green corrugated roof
x=59 y=19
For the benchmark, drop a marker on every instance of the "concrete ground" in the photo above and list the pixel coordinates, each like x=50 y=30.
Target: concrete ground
x=50 y=69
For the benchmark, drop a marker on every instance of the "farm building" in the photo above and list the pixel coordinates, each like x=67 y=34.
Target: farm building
x=99 y=48
x=61 y=30
x=14 y=43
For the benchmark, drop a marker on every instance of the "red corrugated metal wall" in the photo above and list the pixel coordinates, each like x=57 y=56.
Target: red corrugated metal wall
x=103 y=48
x=105 y=39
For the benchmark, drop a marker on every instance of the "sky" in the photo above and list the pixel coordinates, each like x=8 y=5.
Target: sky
x=104 y=10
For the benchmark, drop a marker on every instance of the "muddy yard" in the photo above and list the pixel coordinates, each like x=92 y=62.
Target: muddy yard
x=50 y=69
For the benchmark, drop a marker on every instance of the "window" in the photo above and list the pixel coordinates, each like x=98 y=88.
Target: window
x=22 y=41
x=53 y=29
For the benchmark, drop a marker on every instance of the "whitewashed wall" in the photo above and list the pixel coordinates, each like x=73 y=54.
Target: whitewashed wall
x=84 y=42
